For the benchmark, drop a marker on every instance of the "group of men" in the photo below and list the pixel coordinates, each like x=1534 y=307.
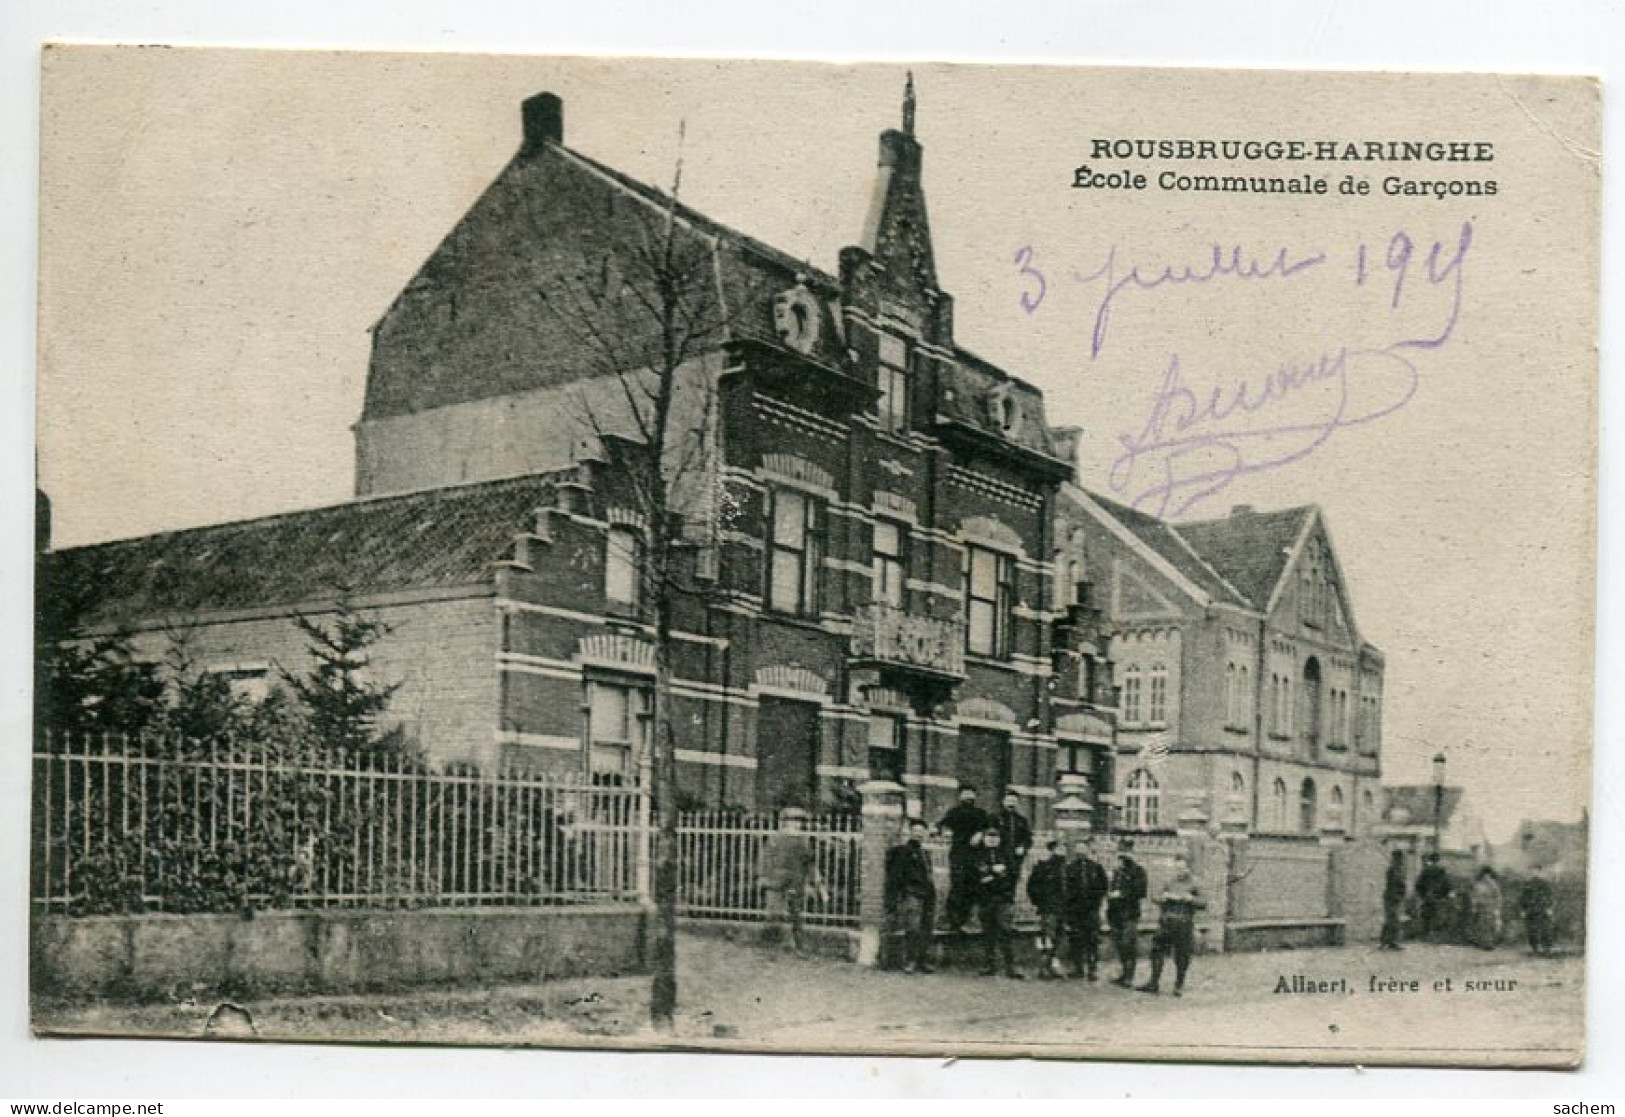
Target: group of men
x=1447 y=912
x=1069 y=888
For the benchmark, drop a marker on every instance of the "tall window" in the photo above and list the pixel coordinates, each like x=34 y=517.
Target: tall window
x=1336 y=814
x=617 y=729
x=1142 y=801
x=989 y=597
x=1278 y=814
x=1306 y=807
x=893 y=383
x=1132 y=681
x=623 y=554
x=1232 y=712
x=796 y=552
x=891 y=562
x=1158 y=679
x=1244 y=698
x=886 y=750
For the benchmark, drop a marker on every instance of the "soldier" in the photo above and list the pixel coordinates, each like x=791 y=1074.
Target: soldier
x=1393 y=900
x=964 y=824
x=911 y=897
x=1084 y=888
x=1176 y=927
x=1046 y=888
x=1128 y=888
x=996 y=879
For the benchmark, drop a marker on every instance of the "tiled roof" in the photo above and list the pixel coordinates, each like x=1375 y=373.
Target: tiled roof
x=1161 y=537
x=1249 y=549
x=553 y=237
x=439 y=537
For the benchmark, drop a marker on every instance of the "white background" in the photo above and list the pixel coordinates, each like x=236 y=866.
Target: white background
x=1570 y=37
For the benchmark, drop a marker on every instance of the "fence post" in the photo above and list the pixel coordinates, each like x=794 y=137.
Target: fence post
x=882 y=824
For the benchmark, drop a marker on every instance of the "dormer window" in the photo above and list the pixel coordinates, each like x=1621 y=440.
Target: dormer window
x=893 y=373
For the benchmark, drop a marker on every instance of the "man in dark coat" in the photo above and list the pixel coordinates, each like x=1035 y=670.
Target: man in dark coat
x=1433 y=893
x=911 y=897
x=996 y=879
x=1084 y=888
x=1127 y=893
x=1393 y=900
x=1046 y=888
x=1015 y=831
x=964 y=823
x=1537 y=903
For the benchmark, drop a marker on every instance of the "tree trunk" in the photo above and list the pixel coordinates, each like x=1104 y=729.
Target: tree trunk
x=663 y=939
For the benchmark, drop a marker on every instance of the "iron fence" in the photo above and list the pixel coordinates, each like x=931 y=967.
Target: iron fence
x=720 y=861
x=128 y=824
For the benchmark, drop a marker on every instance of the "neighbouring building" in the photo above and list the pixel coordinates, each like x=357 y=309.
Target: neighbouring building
x=1421 y=818
x=1247 y=695
x=892 y=573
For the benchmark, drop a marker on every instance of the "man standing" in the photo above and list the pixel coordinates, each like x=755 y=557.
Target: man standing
x=1393 y=900
x=996 y=879
x=1128 y=888
x=1537 y=902
x=911 y=897
x=1046 y=888
x=1084 y=888
x=788 y=872
x=964 y=824
x=1433 y=893
x=1014 y=830
x=1176 y=927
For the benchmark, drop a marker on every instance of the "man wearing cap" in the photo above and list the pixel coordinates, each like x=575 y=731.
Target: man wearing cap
x=1127 y=893
x=1176 y=927
x=1015 y=831
x=911 y=897
x=964 y=824
x=788 y=872
x=1084 y=888
x=996 y=879
x=1046 y=888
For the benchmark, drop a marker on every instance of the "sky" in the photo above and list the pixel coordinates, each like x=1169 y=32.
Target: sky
x=220 y=229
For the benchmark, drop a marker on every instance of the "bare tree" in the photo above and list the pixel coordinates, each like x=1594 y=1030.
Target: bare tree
x=647 y=306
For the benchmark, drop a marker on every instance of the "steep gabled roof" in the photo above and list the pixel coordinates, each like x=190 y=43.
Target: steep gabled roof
x=1250 y=550
x=439 y=537
x=1162 y=539
x=555 y=236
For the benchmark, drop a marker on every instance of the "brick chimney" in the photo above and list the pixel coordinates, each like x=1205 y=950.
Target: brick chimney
x=543 y=117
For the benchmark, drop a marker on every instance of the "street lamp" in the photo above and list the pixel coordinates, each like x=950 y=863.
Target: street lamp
x=1438 y=797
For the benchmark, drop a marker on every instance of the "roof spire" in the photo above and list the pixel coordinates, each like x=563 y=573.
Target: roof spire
x=908 y=105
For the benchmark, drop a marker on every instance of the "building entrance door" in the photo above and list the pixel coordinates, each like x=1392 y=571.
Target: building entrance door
x=786 y=753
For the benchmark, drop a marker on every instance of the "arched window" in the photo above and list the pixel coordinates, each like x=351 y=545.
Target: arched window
x=1232 y=712
x=1306 y=807
x=1311 y=704
x=1238 y=783
x=1142 y=801
x=1335 y=813
x=1278 y=806
x=1244 y=697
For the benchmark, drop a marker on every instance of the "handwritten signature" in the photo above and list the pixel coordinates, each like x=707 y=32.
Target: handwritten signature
x=1198 y=439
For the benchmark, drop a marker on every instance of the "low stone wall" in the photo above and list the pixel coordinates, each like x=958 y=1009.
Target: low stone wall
x=155 y=956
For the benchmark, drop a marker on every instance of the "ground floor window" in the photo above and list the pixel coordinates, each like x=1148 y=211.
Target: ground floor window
x=887 y=737
x=787 y=734
x=1142 y=801
x=617 y=730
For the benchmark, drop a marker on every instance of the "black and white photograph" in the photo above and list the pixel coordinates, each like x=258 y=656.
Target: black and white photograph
x=1077 y=563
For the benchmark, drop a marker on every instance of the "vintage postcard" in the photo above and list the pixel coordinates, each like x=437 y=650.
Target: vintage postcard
x=972 y=560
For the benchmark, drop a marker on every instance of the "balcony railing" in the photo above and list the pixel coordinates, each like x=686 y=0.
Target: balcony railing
x=893 y=636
